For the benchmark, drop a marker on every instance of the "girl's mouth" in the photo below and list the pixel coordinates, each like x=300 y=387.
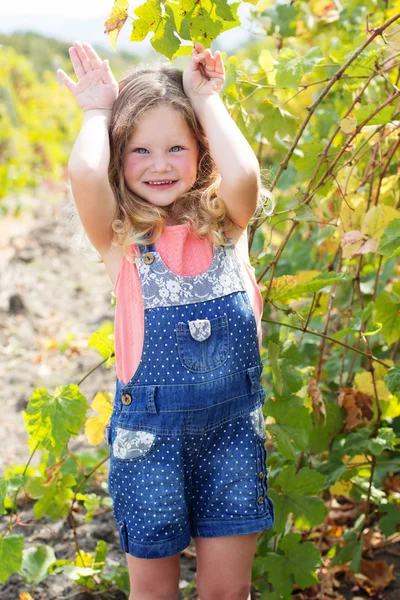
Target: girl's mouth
x=162 y=185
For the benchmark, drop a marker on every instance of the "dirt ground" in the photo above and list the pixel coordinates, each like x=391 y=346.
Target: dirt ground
x=50 y=291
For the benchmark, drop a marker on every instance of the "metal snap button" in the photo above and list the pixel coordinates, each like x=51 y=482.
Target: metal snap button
x=148 y=258
x=260 y=499
x=126 y=399
x=260 y=475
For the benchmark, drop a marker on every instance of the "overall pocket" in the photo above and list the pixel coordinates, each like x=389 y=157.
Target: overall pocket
x=133 y=445
x=203 y=344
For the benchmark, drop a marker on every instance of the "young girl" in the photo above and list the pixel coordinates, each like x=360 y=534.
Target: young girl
x=165 y=185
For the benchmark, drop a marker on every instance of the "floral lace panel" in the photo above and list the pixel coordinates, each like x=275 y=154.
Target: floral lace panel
x=162 y=287
x=132 y=444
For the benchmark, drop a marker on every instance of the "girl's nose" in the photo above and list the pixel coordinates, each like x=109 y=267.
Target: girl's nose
x=161 y=163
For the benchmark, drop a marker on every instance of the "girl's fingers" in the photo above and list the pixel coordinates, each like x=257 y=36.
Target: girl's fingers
x=219 y=63
x=67 y=81
x=106 y=73
x=86 y=66
x=76 y=63
x=92 y=55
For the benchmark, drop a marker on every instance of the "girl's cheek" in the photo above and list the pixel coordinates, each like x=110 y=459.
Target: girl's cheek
x=132 y=165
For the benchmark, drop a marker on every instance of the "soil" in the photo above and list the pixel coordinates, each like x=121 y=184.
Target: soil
x=51 y=292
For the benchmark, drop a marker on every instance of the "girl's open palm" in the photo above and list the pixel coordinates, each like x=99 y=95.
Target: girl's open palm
x=205 y=73
x=97 y=86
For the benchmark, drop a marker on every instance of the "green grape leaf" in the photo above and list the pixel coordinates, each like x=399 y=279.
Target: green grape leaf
x=164 y=39
x=390 y=522
x=54 y=497
x=296 y=497
x=390 y=240
x=387 y=312
x=51 y=421
x=11 y=550
x=384 y=440
x=35 y=562
x=150 y=15
x=392 y=380
x=292 y=427
x=283 y=16
x=297 y=566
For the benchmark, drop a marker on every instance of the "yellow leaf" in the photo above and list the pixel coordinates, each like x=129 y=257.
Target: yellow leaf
x=348 y=124
x=341 y=488
x=352 y=212
x=116 y=20
x=390 y=404
x=363 y=382
x=25 y=596
x=94 y=426
x=266 y=60
x=377 y=219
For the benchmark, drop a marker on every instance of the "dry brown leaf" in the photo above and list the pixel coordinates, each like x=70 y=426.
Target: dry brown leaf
x=358 y=407
x=316 y=398
x=372 y=539
x=374 y=576
x=391 y=485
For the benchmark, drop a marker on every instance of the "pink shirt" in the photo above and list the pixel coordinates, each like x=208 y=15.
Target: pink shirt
x=184 y=254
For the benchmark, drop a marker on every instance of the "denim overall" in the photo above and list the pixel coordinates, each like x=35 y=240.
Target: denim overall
x=187 y=434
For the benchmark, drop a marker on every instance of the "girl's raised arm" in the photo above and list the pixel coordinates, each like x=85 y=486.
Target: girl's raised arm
x=96 y=92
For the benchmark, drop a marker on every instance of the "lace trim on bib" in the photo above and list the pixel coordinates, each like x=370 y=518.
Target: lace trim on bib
x=162 y=287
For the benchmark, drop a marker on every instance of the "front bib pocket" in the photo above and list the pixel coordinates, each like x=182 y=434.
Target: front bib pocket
x=203 y=344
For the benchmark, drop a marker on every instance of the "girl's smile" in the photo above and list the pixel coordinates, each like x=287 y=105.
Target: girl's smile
x=160 y=164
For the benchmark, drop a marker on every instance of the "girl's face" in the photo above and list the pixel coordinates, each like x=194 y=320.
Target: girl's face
x=162 y=149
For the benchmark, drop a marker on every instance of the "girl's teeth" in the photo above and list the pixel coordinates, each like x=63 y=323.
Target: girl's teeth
x=159 y=182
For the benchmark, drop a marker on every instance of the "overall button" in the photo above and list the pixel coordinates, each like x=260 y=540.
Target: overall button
x=260 y=499
x=260 y=475
x=148 y=258
x=126 y=399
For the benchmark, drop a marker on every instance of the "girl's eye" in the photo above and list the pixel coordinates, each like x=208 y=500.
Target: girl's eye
x=138 y=150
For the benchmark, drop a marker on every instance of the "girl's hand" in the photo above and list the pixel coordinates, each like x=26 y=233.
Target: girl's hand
x=97 y=86
x=205 y=74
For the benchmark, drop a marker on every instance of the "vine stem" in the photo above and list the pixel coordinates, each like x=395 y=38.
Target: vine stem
x=327 y=337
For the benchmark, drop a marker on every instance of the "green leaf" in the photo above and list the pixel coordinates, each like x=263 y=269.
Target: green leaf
x=296 y=567
x=35 y=562
x=51 y=421
x=279 y=573
x=164 y=39
x=289 y=541
x=283 y=16
x=390 y=523
x=323 y=431
x=11 y=549
x=204 y=24
x=289 y=70
x=149 y=15
x=390 y=240
x=293 y=425
x=100 y=554
x=296 y=498
x=304 y=560
x=3 y=493
x=273 y=355
x=384 y=439
x=392 y=380
x=387 y=313
x=54 y=498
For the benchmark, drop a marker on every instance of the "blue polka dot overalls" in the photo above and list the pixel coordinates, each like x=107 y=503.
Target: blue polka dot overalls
x=187 y=435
